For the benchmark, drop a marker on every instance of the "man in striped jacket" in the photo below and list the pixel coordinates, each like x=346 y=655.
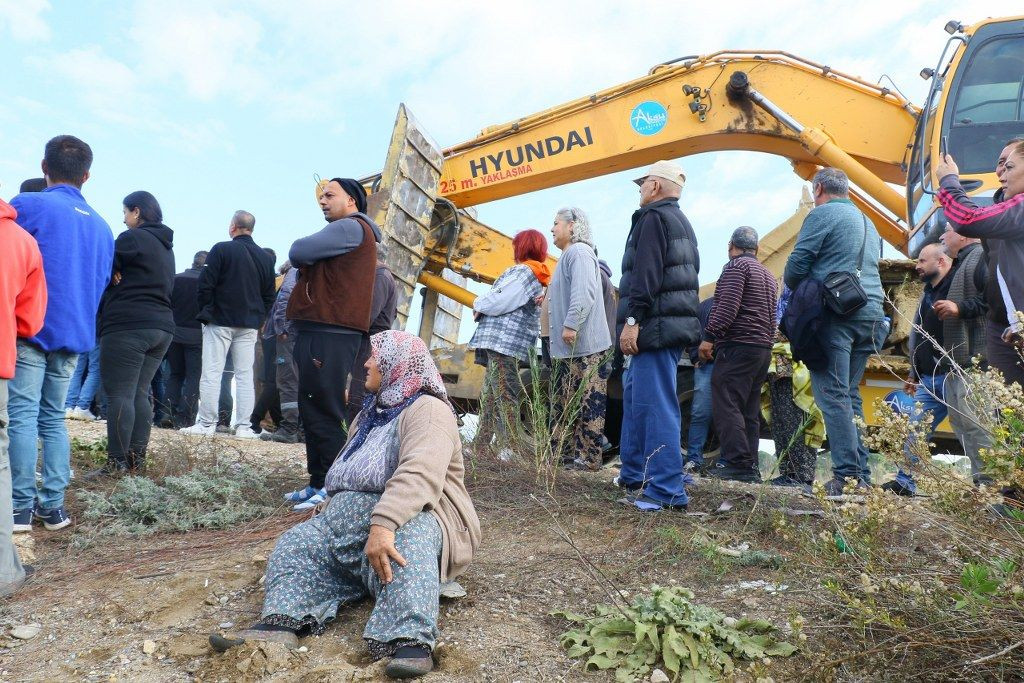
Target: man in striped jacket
x=739 y=334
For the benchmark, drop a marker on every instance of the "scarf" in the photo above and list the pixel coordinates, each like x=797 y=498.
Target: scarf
x=407 y=372
x=541 y=271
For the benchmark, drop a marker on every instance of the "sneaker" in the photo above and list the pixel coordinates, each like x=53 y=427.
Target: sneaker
x=110 y=469
x=54 y=518
x=245 y=432
x=23 y=520
x=199 y=430
x=281 y=436
x=642 y=502
x=300 y=496
x=82 y=414
x=311 y=502
x=410 y=661
x=617 y=481
x=222 y=429
x=899 y=488
x=725 y=471
x=266 y=436
x=836 y=490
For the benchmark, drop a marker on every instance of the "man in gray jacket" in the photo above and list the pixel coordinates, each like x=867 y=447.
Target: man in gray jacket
x=830 y=241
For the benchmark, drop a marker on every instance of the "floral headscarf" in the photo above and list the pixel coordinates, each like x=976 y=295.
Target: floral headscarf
x=407 y=371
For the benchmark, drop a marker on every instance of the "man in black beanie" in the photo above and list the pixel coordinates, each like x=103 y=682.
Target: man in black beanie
x=330 y=306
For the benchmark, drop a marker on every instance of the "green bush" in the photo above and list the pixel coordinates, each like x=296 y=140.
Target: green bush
x=217 y=497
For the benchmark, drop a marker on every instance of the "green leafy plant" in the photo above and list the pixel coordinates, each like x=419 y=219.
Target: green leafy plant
x=94 y=451
x=693 y=642
x=981 y=582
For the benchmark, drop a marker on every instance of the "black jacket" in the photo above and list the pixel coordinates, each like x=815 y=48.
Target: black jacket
x=141 y=298
x=236 y=287
x=187 y=328
x=659 y=278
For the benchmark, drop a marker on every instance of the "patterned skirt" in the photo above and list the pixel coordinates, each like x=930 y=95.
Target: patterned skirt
x=319 y=565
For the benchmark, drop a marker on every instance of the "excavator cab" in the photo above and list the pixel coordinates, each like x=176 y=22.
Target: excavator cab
x=975 y=103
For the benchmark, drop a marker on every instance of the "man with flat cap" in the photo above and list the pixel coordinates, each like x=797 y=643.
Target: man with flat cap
x=656 y=320
x=330 y=306
x=739 y=334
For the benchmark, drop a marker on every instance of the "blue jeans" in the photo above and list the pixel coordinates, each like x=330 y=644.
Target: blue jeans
x=81 y=393
x=700 y=414
x=931 y=394
x=836 y=389
x=650 y=445
x=36 y=408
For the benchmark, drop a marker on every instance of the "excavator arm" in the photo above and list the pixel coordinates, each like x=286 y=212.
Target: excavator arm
x=768 y=102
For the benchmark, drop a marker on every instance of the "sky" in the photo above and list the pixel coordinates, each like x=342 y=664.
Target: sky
x=217 y=106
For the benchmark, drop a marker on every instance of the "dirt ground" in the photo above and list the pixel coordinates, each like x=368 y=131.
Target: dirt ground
x=140 y=609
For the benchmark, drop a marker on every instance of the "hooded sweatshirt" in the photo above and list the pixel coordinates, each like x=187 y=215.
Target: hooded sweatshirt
x=141 y=299
x=77 y=248
x=22 y=288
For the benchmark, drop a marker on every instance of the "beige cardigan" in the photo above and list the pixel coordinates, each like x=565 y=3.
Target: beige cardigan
x=430 y=476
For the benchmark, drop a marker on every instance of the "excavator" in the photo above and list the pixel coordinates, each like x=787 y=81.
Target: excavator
x=763 y=101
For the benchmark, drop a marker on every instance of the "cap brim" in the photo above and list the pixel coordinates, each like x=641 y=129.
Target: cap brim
x=640 y=181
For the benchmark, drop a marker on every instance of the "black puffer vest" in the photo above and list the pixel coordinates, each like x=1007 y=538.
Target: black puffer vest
x=672 y=321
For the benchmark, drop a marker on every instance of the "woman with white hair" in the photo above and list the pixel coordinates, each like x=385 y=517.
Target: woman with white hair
x=579 y=344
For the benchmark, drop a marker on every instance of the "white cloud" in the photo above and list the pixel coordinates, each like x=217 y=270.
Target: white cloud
x=24 y=19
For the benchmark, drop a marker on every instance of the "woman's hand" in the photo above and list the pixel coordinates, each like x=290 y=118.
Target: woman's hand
x=945 y=167
x=569 y=336
x=116 y=277
x=380 y=549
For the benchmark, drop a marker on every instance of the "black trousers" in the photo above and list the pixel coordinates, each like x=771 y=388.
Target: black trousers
x=128 y=361
x=736 y=401
x=268 y=400
x=186 y=363
x=324 y=361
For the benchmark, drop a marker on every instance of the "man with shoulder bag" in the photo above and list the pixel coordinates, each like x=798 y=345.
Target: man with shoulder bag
x=839 y=247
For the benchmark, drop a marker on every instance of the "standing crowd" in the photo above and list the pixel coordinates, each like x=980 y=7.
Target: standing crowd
x=87 y=319
x=796 y=356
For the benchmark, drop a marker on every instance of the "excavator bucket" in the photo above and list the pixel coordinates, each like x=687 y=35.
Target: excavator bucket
x=402 y=203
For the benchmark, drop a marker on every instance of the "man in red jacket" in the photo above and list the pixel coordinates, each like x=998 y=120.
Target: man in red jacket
x=22 y=309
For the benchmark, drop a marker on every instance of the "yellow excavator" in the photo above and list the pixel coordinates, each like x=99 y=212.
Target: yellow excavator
x=764 y=101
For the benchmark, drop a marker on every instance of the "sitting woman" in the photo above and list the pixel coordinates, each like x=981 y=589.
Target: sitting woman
x=399 y=517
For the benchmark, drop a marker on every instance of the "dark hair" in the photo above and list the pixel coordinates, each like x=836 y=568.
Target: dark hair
x=33 y=185
x=530 y=245
x=146 y=203
x=244 y=220
x=199 y=259
x=271 y=253
x=67 y=160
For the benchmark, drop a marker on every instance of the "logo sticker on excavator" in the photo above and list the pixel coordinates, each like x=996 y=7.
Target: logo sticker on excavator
x=648 y=118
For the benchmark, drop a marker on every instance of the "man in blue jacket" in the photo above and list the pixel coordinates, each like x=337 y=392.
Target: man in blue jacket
x=830 y=241
x=78 y=250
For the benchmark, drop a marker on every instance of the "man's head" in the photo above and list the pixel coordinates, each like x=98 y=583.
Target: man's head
x=829 y=184
x=954 y=241
x=932 y=263
x=242 y=223
x=66 y=160
x=663 y=180
x=342 y=197
x=743 y=241
x=33 y=185
x=199 y=260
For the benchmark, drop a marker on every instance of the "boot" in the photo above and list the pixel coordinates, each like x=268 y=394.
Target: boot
x=111 y=469
x=137 y=462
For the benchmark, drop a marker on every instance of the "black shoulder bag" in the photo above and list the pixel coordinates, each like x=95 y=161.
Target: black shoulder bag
x=843 y=292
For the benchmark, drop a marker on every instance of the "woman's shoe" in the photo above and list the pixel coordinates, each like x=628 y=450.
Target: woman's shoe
x=410 y=661
x=300 y=496
x=222 y=643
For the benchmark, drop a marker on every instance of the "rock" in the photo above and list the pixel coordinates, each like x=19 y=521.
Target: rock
x=259 y=558
x=659 y=676
x=226 y=624
x=148 y=647
x=26 y=632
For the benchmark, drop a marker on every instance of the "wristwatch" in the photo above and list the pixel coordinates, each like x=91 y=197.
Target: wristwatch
x=631 y=321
